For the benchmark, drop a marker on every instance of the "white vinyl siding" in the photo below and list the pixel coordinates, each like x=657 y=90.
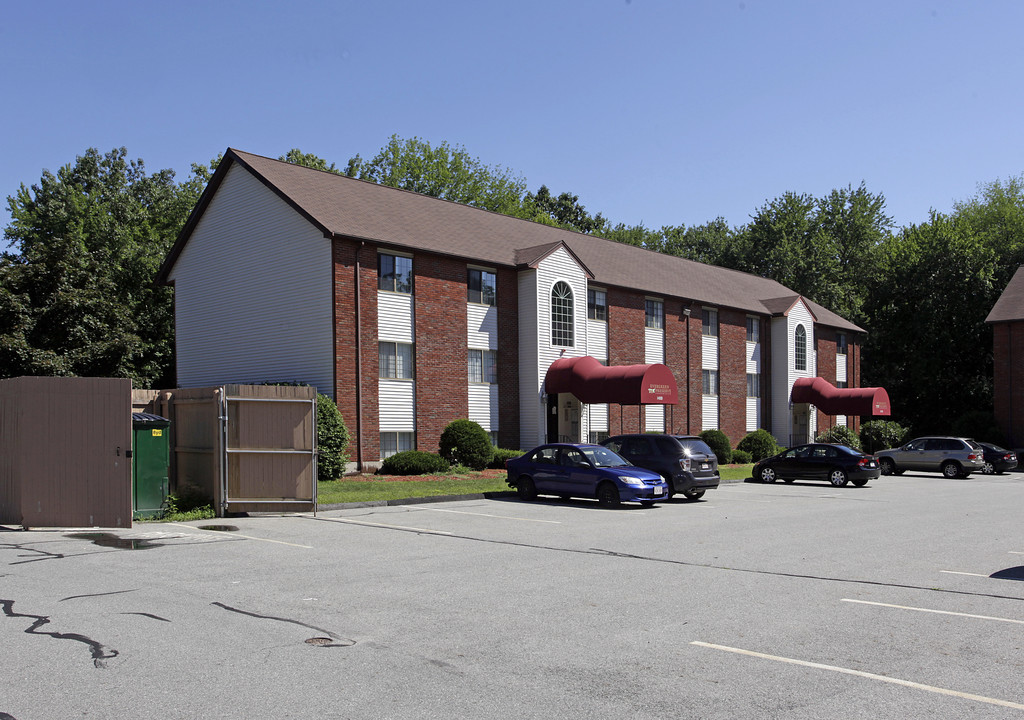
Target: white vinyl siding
x=483 y=405
x=482 y=326
x=842 y=377
x=783 y=330
x=397 y=397
x=754 y=368
x=536 y=353
x=597 y=340
x=253 y=293
x=709 y=357
x=395 y=319
x=397 y=405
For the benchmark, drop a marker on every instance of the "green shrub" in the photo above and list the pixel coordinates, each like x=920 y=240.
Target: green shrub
x=501 y=455
x=741 y=457
x=979 y=425
x=878 y=435
x=839 y=435
x=759 y=444
x=414 y=462
x=717 y=441
x=464 y=442
x=331 y=440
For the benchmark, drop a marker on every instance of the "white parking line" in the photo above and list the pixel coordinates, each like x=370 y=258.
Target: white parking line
x=862 y=674
x=937 y=612
x=247 y=537
x=384 y=525
x=954 y=572
x=500 y=517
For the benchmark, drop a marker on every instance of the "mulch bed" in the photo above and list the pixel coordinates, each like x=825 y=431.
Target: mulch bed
x=369 y=477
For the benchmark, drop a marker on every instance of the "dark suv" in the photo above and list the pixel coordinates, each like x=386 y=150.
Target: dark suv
x=685 y=461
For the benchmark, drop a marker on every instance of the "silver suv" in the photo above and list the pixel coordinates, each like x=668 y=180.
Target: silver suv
x=952 y=456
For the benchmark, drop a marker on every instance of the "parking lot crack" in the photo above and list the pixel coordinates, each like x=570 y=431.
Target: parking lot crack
x=100 y=653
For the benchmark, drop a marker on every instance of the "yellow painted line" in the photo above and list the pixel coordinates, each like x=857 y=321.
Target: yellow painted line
x=867 y=675
x=937 y=612
x=500 y=517
x=247 y=537
x=954 y=572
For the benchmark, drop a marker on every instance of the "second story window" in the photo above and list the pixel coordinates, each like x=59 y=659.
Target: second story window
x=481 y=286
x=654 y=314
x=395 y=360
x=597 y=305
x=753 y=329
x=562 y=325
x=709 y=379
x=483 y=366
x=394 y=273
x=800 y=348
x=753 y=385
x=709 y=320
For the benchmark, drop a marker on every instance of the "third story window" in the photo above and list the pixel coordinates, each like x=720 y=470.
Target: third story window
x=394 y=273
x=753 y=385
x=562 y=326
x=753 y=329
x=841 y=343
x=597 y=305
x=481 y=285
x=483 y=366
x=709 y=320
x=654 y=314
x=395 y=360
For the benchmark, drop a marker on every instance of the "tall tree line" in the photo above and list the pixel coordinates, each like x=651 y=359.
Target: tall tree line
x=77 y=297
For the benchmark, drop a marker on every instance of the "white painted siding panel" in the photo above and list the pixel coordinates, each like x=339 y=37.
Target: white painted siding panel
x=397 y=405
x=753 y=357
x=253 y=293
x=841 y=372
x=753 y=414
x=482 y=326
x=483 y=405
x=395 y=320
x=709 y=352
x=598 y=418
x=654 y=418
x=597 y=340
x=709 y=412
x=654 y=345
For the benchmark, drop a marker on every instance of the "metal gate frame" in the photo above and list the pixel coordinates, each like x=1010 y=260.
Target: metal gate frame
x=224 y=451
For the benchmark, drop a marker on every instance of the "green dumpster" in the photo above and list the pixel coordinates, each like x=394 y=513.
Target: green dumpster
x=151 y=458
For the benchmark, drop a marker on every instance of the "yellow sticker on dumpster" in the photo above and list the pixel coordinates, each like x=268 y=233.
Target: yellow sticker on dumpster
x=158 y=432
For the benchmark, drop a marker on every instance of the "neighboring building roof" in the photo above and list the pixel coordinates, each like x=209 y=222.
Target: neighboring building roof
x=341 y=206
x=1010 y=305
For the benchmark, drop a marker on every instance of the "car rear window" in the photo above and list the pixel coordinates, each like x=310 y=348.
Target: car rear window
x=694 y=447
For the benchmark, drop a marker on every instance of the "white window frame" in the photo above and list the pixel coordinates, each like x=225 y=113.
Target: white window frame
x=800 y=347
x=393 y=282
x=482 y=297
x=654 y=313
x=485 y=368
x=709 y=322
x=563 y=320
x=709 y=381
x=393 y=442
x=388 y=351
x=595 y=308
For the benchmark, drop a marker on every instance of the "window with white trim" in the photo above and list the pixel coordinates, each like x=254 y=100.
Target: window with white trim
x=396 y=442
x=841 y=344
x=395 y=360
x=562 y=319
x=483 y=366
x=753 y=385
x=709 y=379
x=481 y=286
x=709 y=322
x=654 y=314
x=800 y=348
x=394 y=273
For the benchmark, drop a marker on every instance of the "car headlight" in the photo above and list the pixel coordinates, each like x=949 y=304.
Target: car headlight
x=629 y=480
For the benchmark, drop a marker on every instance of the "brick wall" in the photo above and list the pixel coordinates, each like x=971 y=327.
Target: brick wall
x=825 y=341
x=626 y=313
x=732 y=374
x=508 y=358
x=1008 y=380
x=677 y=361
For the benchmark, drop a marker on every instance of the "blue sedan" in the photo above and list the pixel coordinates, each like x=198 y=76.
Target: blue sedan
x=586 y=471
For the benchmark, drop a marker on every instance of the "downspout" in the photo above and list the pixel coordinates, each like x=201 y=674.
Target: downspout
x=359 y=365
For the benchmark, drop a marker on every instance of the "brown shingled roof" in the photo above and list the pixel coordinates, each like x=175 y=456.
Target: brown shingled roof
x=1010 y=305
x=345 y=207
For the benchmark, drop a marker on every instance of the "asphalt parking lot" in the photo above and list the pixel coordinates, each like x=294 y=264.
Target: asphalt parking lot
x=902 y=599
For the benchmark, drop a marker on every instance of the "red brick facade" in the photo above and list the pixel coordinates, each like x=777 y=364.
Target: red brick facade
x=732 y=374
x=1008 y=380
x=827 y=354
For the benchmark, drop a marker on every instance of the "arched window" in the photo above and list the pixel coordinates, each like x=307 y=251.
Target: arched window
x=800 y=349
x=561 y=315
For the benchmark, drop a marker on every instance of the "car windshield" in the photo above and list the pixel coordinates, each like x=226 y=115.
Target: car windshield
x=603 y=457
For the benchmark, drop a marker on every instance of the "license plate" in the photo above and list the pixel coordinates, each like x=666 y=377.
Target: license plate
x=659 y=490
x=704 y=466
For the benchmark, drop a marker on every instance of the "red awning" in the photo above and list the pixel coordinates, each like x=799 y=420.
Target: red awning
x=591 y=382
x=840 y=401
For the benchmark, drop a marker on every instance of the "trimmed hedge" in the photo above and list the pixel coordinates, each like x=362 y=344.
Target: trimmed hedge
x=760 y=444
x=840 y=435
x=501 y=455
x=741 y=457
x=464 y=442
x=717 y=441
x=331 y=440
x=878 y=435
x=414 y=462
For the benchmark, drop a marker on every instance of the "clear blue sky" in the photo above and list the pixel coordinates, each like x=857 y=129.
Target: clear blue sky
x=658 y=112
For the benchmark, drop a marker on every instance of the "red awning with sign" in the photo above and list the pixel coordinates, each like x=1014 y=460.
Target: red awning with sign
x=591 y=382
x=840 y=401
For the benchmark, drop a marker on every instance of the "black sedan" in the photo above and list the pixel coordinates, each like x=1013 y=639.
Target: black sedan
x=997 y=459
x=819 y=461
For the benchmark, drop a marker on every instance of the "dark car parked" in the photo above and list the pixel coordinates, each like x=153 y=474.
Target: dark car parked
x=838 y=464
x=686 y=462
x=997 y=459
x=583 y=470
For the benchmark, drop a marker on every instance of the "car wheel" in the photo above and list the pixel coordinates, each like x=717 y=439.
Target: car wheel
x=859 y=483
x=951 y=470
x=768 y=475
x=888 y=466
x=838 y=477
x=988 y=469
x=525 y=488
x=694 y=494
x=608 y=495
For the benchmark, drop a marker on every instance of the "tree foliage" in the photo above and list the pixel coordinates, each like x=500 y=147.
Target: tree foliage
x=76 y=293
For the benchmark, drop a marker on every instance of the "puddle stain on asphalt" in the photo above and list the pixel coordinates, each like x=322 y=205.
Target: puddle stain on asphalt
x=100 y=653
x=217 y=528
x=113 y=541
x=333 y=640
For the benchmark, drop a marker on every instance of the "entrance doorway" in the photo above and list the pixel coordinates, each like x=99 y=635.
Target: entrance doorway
x=564 y=411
